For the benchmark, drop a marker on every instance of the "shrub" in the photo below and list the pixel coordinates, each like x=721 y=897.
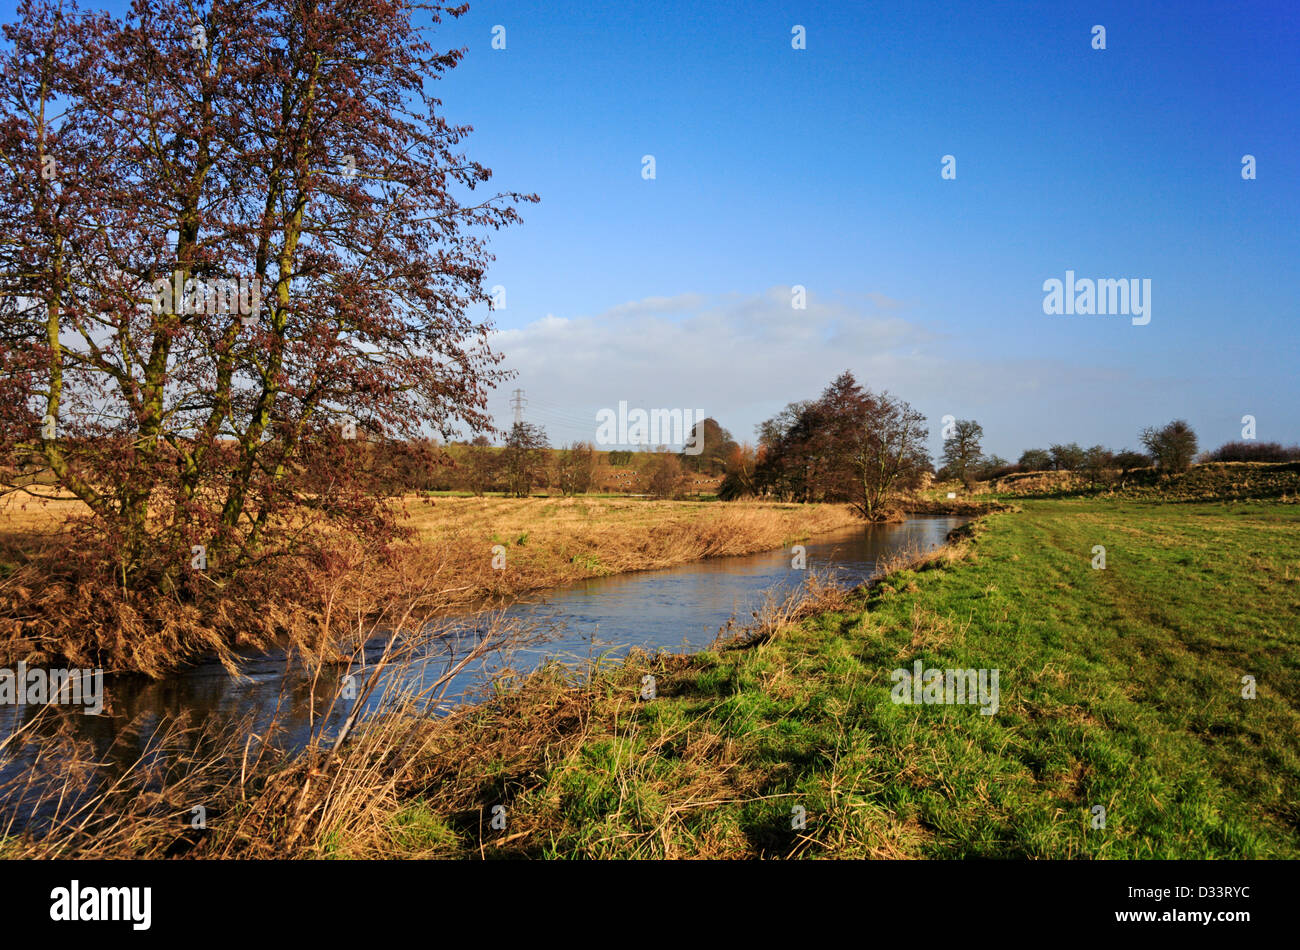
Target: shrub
x=1254 y=452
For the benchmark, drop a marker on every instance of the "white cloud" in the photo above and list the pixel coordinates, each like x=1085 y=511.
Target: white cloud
x=741 y=357
x=737 y=357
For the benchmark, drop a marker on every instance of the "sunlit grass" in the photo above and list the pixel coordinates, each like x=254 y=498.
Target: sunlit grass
x=1120 y=688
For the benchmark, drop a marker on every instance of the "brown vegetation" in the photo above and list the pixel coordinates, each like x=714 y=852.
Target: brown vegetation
x=1209 y=481
x=50 y=611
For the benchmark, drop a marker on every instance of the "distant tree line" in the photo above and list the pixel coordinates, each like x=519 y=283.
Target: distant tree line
x=1169 y=449
x=526 y=463
x=1254 y=452
x=849 y=445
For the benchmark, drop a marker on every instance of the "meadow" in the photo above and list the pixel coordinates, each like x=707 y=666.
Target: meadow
x=1147 y=708
x=1121 y=688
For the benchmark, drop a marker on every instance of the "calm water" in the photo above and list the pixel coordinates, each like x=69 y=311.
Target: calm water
x=677 y=609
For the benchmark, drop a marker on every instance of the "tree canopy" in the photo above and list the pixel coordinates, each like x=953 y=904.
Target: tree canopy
x=233 y=236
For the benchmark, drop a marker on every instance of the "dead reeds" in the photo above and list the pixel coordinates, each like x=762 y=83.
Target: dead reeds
x=227 y=787
x=464 y=552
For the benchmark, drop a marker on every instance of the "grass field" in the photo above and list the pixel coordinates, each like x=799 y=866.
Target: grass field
x=1120 y=688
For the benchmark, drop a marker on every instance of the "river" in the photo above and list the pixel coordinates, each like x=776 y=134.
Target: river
x=679 y=609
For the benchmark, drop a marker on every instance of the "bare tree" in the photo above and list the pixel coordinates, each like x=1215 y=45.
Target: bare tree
x=480 y=465
x=667 y=479
x=1128 y=460
x=887 y=452
x=962 y=449
x=1067 y=458
x=739 y=481
x=232 y=235
x=523 y=460
x=1035 y=460
x=575 y=468
x=851 y=445
x=1173 y=446
x=1098 y=465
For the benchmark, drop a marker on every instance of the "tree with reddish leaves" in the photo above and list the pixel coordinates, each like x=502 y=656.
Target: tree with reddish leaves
x=233 y=236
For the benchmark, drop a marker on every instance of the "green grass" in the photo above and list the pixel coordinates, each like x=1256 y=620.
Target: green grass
x=1119 y=687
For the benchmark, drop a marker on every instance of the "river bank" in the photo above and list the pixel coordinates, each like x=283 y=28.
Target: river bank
x=462 y=552
x=1135 y=702
x=1121 y=731
x=283 y=707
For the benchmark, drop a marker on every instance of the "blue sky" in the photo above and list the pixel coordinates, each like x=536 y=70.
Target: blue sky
x=821 y=167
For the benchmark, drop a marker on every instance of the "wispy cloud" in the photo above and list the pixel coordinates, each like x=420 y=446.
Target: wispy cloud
x=741 y=357
x=695 y=348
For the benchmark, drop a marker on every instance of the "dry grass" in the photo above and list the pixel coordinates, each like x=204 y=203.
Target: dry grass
x=914 y=558
x=449 y=564
x=556 y=541
x=23 y=515
x=256 y=798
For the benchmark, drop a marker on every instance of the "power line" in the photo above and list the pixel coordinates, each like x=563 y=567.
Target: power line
x=564 y=410
x=567 y=418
